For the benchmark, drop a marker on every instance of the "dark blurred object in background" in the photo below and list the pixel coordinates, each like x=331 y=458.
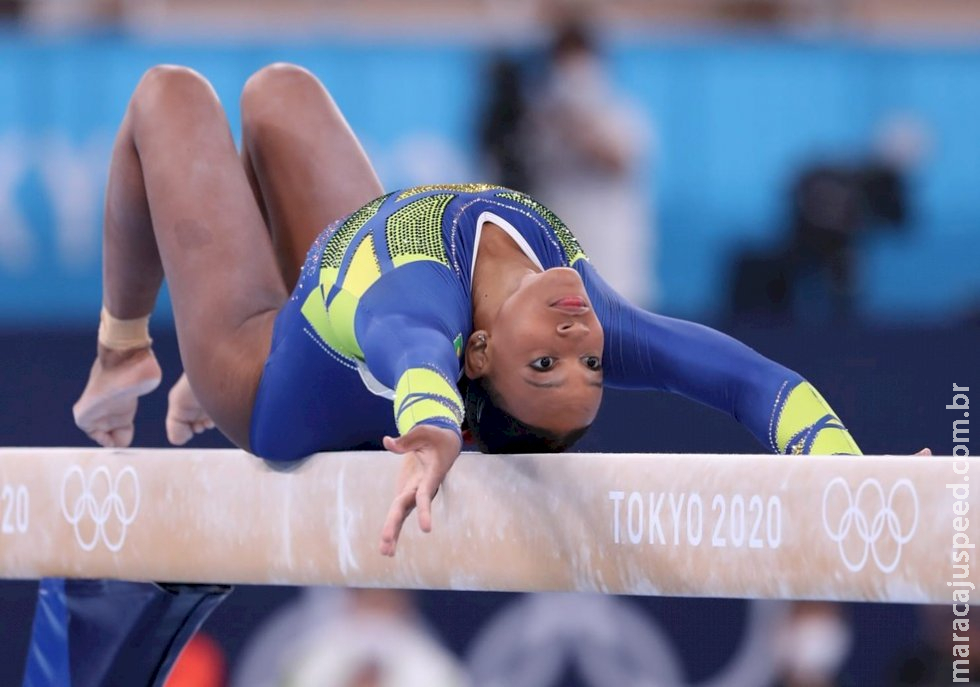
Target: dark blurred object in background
x=930 y=663
x=832 y=205
x=755 y=12
x=69 y=15
x=501 y=128
x=11 y=9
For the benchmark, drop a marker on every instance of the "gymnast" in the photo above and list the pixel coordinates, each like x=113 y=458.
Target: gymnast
x=412 y=315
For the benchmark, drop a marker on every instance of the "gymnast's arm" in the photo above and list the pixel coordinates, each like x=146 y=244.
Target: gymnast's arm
x=416 y=361
x=406 y=326
x=646 y=351
x=419 y=362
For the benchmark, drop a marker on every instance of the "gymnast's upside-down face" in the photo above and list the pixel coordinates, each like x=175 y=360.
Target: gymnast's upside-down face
x=543 y=352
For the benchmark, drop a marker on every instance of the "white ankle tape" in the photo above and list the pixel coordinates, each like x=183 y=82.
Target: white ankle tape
x=121 y=335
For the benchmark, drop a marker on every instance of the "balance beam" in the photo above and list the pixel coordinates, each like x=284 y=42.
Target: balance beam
x=870 y=528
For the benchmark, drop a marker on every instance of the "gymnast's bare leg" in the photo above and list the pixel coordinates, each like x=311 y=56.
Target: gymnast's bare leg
x=306 y=165
x=306 y=168
x=179 y=204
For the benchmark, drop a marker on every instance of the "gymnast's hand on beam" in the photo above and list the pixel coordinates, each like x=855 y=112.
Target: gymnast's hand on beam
x=429 y=453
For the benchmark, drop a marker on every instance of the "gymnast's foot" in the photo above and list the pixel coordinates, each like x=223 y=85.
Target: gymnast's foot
x=185 y=416
x=107 y=406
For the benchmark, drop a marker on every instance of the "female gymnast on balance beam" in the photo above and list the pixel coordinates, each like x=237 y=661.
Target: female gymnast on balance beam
x=410 y=315
x=401 y=296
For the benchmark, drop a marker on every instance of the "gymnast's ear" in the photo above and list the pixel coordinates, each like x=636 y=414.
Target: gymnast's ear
x=476 y=361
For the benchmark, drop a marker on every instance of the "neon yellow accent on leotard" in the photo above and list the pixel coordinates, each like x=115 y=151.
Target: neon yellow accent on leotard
x=422 y=394
x=833 y=440
x=458 y=188
x=334 y=323
x=363 y=270
x=414 y=232
x=804 y=408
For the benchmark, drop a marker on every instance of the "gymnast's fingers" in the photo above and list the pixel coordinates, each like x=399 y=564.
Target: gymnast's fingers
x=423 y=500
x=400 y=508
x=428 y=488
x=925 y=452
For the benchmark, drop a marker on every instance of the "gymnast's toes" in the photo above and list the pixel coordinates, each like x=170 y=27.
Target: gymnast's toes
x=185 y=416
x=107 y=407
x=119 y=437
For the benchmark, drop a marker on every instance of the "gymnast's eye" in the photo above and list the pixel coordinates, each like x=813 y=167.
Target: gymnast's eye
x=545 y=362
x=593 y=362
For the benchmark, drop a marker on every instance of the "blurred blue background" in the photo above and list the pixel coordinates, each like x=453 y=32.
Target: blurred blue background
x=739 y=98
x=735 y=118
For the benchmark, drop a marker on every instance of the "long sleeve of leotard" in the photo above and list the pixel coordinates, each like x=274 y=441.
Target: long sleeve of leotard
x=411 y=334
x=648 y=351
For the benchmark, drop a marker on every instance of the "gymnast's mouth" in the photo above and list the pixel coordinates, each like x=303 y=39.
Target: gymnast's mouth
x=571 y=305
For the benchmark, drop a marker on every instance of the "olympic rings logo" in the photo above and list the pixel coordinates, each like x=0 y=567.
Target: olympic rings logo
x=100 y=499
x=870 y=530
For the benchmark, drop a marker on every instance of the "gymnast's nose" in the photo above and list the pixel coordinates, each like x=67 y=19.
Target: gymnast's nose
x=571 y=328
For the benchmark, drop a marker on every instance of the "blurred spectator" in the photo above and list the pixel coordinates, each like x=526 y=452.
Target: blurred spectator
x=502 y=135
x=587 y=148
x=348 y=638
x=812 y=646
x=832 y=205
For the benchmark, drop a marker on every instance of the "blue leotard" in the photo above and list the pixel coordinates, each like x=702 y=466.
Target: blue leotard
x=371 y=340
